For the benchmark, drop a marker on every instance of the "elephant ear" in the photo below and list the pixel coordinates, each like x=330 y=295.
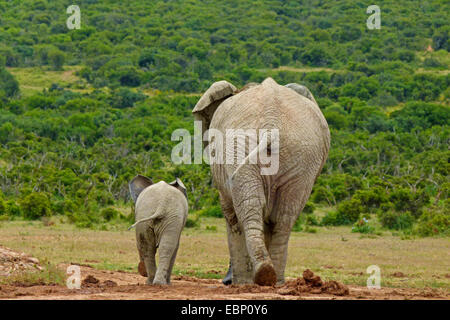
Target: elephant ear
x=210 y=101
x=179 y=185
x=301 y=90
x=137 y=185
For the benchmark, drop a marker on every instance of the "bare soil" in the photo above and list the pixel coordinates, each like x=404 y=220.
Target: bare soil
x=101 y=284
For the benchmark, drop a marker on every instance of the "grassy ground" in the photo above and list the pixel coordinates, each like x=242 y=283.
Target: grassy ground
x=303 y=69
x=34 y=79
x=334 y=253
x=49 y=275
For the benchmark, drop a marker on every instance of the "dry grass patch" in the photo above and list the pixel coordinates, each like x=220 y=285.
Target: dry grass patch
x=35 y=79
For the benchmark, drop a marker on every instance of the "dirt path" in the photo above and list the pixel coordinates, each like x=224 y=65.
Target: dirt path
x=99 y=284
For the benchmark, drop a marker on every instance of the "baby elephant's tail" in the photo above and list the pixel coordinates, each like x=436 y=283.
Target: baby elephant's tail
x=158 y=213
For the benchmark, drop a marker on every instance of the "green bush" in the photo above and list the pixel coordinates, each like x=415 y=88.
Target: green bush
x=308 y=229
x=84 y=219
x=64 y=206
x=40 y=101
x=331 y=219
x=432 y=63
x=125 y=98
x=213 y=211
x=56 y=58
x=420 y=114
x=8 y=83
x=372 y=198
x=316 y=56
x=192 y=222
x=103 y=198
x=322 y=195
x=433 y=223
x=334 y=218
x=349 y=210
x=3 y=207
x=211 y=228
x=298 y=225
x=396 y=220
x=309 y=208
x=335 y=119
x=362 y=226
x=405 y=200
x=13 y=209
x=35 y=205
x=306 y=220
x=109 y=213
x=311 y=220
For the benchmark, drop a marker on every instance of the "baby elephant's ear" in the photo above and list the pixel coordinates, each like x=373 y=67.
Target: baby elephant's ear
x=301 y=90
x=179 y=185
x=137 y=185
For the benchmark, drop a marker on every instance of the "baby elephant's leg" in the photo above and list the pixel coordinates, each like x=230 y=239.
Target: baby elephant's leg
x=147 y=250
x=172 y=262
x=167 y=251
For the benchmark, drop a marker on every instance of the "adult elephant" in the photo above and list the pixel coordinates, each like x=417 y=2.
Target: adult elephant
x=261 y=209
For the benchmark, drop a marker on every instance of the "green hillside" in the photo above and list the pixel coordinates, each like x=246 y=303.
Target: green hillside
x=83 y=111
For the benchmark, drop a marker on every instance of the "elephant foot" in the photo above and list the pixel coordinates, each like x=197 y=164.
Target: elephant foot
x=142 y=270
x=160 y=282
x=265 y=274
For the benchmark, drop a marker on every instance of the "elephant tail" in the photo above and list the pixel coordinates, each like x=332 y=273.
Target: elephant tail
x=158 y=213
x=264 y=143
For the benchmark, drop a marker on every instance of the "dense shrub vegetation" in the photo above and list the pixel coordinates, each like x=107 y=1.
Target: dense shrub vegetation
x=384 y=93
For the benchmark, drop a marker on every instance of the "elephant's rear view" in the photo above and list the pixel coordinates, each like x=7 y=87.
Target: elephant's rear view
x=261 y=200
x=160 y=210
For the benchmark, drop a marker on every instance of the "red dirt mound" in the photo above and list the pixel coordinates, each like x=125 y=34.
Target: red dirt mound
x=309 y=283
x=313 y=284
x=92 y=282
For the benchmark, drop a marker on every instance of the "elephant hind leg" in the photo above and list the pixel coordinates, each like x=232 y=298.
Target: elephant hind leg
x=241 y=265
x=167 y=251
x=147 y=250
x=250 y=205
x=172 y=262
x=291 y=200
x=240 y=270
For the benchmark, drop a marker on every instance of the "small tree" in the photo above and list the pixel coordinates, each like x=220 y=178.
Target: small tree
x=109 y=213
x=3 y=207
x=8 y=84
x=36 y=205
x=56 y=58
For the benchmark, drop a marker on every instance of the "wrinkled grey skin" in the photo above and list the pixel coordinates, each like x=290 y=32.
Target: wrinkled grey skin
x=160 y=212
x=261 y=210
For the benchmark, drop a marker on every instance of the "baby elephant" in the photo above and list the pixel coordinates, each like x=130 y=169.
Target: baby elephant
x=160 y=212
